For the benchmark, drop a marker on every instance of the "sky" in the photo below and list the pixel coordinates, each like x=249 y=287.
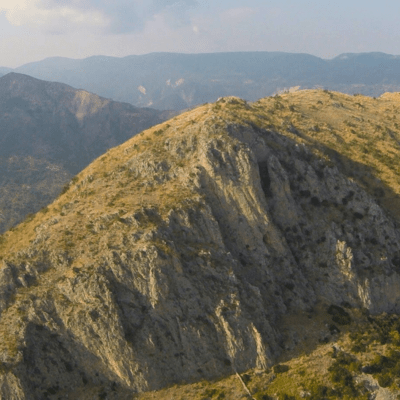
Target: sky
x=31 y=30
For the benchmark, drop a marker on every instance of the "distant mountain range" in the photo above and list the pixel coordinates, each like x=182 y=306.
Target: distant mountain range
x=179 y=81
x=50 y=131
x=4 y=71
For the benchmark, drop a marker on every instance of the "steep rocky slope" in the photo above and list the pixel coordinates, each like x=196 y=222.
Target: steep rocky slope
x=206 y=245
x=48 y=133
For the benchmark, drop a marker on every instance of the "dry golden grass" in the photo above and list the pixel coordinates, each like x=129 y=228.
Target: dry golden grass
x=364 y=131
x=107 y=186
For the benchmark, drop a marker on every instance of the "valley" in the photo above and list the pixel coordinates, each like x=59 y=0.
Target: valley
x=51 y=131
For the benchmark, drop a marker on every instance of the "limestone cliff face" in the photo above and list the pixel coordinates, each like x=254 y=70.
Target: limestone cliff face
x=175 y=256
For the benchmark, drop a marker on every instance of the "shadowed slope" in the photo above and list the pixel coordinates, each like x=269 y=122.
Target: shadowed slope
x=48 y=133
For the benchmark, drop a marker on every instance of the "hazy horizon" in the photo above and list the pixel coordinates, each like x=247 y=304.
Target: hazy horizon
x=189 y=53
x=32 y=30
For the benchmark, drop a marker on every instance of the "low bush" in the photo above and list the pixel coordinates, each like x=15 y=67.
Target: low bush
x=384 y=380
x=321 y=392
x=359 y=348
x=342 y=379
x=280 y=368
x=339 y=315
x=262 y=396
x=285 y=396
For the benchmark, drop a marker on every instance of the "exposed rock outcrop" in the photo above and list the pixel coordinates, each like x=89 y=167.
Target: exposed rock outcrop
x=175 y=256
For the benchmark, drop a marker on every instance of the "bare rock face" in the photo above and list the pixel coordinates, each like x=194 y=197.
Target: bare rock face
x=218 y=229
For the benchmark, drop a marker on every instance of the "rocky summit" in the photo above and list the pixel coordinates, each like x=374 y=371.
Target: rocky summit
x=221 y=241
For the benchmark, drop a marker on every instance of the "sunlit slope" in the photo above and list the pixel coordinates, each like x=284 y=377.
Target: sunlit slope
x=362 y=130
x=358 y=133
x=207 y=245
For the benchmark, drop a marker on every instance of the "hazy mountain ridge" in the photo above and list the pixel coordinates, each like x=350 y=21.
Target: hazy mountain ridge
x=4 y=71
x=50 y=131
x=180 y=255
x=179 y=81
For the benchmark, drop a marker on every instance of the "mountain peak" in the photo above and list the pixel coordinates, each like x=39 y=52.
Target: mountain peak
x=185 y=253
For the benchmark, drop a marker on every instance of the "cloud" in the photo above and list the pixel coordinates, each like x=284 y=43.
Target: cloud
x=32 y=14
x=119 y=16
x=237 y=14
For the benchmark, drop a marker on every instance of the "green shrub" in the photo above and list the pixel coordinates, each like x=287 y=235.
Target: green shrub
x=384 y=380
x=381 y=363
x=321 y=392
x=341 y=376
x=339 y=315
x=246 y=378
x=3 y=368
x=395 y=337
x=385 y=368
x=342 y=358
x=280 y=368
x=65 y=188
x=285 y=396
x=29 y=217
x=333 y=329
x=262 y=396
x=210 y=392
x=359 y=348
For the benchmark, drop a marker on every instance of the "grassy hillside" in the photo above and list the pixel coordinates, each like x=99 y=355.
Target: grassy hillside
x=359 y=133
